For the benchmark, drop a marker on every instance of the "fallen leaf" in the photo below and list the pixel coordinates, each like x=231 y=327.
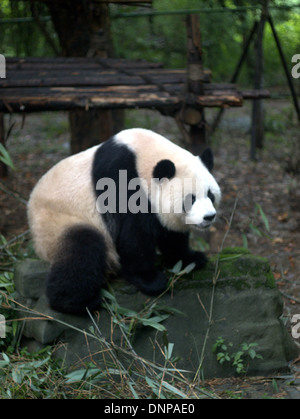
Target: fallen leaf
x=283 y=217
x=277 y=240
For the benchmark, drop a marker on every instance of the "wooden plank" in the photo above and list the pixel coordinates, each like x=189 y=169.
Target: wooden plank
x=255 y=94
x=38 y=84
x=75 y=100
x=89 y=78
x=171 y=89
x=73 y=80
x=50 y=63
x=12 y=94
x=221 y=101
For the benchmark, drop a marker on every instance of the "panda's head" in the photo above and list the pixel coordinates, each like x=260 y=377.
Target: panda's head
x=185 y=194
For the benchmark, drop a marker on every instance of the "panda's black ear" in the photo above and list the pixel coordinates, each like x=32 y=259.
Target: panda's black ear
x=164 y=169
x=207 y=158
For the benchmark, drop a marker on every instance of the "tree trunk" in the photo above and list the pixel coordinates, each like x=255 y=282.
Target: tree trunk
x=83 y=28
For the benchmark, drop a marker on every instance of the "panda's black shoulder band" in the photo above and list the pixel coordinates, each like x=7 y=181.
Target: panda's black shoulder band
x=207 y=158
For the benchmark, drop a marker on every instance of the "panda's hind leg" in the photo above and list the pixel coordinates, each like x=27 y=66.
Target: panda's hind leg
x=78 y=271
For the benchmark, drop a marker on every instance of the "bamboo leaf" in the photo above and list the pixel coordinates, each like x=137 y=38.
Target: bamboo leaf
x=264 y=217
x=5 y=157
x=173 y=389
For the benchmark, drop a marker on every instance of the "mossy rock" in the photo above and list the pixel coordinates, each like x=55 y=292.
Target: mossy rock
x=236 y=267
x=246 y=309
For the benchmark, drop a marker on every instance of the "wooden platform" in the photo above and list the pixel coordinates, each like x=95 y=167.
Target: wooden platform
x=43 y=84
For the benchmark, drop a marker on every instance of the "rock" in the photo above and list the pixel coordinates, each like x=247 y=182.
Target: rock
x=30 y=276
x=246 y=308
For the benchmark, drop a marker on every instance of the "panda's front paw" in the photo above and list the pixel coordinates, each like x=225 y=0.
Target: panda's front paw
x=199 y=258
x=153 y=283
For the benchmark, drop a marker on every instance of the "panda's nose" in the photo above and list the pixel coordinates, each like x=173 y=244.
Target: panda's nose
x=209 y=217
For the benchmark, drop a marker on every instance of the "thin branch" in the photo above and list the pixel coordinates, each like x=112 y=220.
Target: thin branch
x=214 y=282
x=290 y=297
x=14 y=194
x=11 y=241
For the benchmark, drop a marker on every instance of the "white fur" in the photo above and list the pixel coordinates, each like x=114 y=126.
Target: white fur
x=150 y=148
x=64 y=196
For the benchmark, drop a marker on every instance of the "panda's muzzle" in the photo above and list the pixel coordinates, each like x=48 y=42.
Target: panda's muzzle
x=207 y=221
x=210 y=218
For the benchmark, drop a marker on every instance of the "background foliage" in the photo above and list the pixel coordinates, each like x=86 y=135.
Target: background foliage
x=162 y=38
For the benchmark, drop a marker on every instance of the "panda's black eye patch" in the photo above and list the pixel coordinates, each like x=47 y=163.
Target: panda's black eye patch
x=211 y=196
x=188 y=202
x=164 y=169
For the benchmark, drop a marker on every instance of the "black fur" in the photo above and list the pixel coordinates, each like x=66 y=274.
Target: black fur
x=164 y=169
x=134 y=235
x=78 y=272
x=137 y=235
x=207 y=158
x=211 y=196
x=175 y=246
x=76 y=276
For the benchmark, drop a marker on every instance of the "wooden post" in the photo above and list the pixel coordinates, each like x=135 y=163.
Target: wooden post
x=236 y=72
x=3 y=167
x=195 y=76
x=257 y=131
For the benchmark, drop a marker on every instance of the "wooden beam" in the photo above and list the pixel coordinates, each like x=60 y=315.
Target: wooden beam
x=35 y=84
x=109 y=97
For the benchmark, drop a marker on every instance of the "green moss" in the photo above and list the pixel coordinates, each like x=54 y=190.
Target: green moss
x=235 y=267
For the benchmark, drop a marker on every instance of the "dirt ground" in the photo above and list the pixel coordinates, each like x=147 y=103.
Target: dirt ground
x=266 y=200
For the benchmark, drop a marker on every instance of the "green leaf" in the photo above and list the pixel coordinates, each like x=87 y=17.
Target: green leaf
x=135 y=395
x=5 y=157
x=177 y=268
x=169 y=350
x=106 y=294
x=189 y=268
x=174 y=390
x=155 y=322
x=252 y=353
x=263 y=216
x=75 y=376
x=155 y=388
x=255 y=230
x=126 y=312
x=252 y=345
x=6 y=358
x=245 y=241
x=17 y=375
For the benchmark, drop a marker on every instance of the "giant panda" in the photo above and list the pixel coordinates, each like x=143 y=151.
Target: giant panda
x=107 y=209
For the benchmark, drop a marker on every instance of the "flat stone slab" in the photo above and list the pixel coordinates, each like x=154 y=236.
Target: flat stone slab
x=234 y=298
